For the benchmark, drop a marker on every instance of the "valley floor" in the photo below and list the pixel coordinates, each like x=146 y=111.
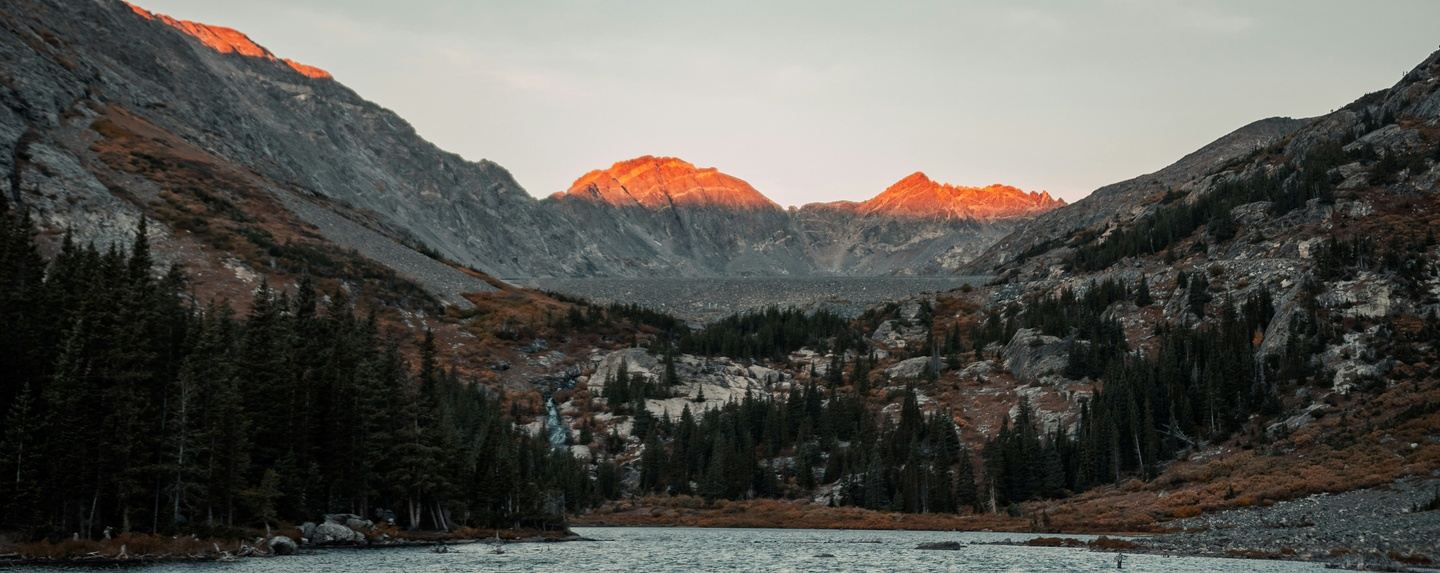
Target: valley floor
x=703 y=300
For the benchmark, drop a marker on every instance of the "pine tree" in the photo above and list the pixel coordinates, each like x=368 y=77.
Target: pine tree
x=1198 y=294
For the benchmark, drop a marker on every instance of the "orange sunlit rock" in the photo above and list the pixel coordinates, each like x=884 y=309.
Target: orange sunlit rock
x=655 y=182
x=918 y=196
x=306 y=70
x=227 y=41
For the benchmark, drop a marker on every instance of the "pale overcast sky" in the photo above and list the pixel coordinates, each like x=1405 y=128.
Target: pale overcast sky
x=826 y=99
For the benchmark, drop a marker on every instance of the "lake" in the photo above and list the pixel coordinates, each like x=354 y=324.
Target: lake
x=635 y=549
x=706 y=299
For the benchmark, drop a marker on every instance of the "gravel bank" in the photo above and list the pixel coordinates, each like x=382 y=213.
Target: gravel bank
x=1375 y=529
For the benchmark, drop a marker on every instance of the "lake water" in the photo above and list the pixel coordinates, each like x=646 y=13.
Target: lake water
x=635 y=549
x=705 y=299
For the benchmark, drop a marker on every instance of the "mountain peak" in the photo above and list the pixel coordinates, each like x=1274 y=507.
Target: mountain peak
x=227 y=41
x=655 y=182
x=917 y=195
x=918 y=177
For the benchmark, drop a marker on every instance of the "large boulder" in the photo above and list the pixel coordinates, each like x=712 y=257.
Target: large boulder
x=1031 y=355
x=357 y=524
x=978 y=370
x=282 y=545
x=637 y=361
x=912 y=368
x=894 y=334
x=1368 y=296
x=331 y=532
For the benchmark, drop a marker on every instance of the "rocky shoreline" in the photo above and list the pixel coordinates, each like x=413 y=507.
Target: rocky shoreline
x=1391 y=528
x=335 y=532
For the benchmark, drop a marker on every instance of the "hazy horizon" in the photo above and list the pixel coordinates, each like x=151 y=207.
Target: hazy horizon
x=830 y=101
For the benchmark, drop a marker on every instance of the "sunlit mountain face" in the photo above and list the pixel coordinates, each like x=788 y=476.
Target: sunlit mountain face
x=918 y=196
x=655 y=182
x=228 y=41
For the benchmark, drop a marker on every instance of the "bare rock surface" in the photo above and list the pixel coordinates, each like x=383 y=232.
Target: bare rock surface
x=1031 y=355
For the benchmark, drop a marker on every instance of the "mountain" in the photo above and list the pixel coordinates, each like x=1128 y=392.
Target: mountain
x=1243 y=347
x=656 y=182
x=1310 y=245
x=1120 y=201
x=917 y=196
x=722 y=225
x=663 y=215
x=915 y=227
x=246 y=164
x=1182 y=351
x=102 y=97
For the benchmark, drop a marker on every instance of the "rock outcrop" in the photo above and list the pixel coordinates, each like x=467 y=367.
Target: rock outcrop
x=282 y=545
x=704 y=383
x=913 y=368
x=1032 y=356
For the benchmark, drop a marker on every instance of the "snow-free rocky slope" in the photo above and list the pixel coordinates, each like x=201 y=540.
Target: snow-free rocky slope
x=100 y=101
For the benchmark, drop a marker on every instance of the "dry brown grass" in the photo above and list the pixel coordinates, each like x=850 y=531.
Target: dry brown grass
x=689 y=511
x=226 y=210
x=1369 y=445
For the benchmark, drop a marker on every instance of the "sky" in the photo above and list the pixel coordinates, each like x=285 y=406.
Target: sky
x=835 y=99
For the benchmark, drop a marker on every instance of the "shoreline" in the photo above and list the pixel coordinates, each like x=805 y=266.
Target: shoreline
x=120 y=556
x=1389 y=527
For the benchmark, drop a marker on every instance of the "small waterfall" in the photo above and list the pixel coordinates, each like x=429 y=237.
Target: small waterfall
x=554 y=428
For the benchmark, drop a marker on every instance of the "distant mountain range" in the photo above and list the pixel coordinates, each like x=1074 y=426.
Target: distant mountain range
x=710 y=222
x=101 y=98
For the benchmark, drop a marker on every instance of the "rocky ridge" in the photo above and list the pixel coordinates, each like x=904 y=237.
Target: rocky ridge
x=917 y=196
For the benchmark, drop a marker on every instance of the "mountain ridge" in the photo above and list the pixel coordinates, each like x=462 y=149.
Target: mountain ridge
x=228 y=40
x=917 y=195
x=307 y=135
x=654 y=182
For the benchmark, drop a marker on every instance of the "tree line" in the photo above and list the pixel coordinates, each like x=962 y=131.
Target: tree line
x=132 y=406
x=771 y=333
x=1288 y=187
x=1203 y=384
x=819 y=433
